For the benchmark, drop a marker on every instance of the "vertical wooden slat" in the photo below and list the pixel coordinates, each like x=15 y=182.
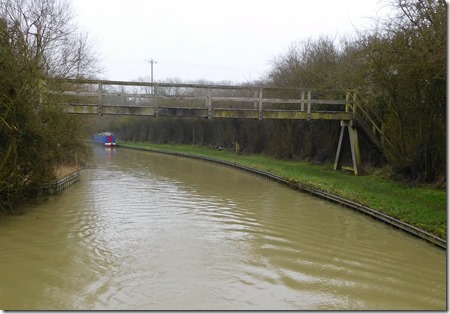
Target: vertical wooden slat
x=260 y=107
x=100 y=99
x=155 y=100
x=347 y=101
x=302 y=108
x=208 y=102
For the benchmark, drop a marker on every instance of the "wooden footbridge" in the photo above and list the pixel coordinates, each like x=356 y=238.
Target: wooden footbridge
x=102 y=97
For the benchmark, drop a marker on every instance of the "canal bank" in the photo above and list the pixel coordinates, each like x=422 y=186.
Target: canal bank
x=65 y=177
x=302 y=186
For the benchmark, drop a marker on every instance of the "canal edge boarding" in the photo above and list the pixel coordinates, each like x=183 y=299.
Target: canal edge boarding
x=336 y=199
x=57 y=186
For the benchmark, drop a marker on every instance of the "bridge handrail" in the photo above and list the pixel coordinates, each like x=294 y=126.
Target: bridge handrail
x=188 y=85
x=366 y=116
x=312 y=103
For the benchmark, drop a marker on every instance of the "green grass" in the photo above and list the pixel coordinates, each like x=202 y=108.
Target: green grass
x=423 y=207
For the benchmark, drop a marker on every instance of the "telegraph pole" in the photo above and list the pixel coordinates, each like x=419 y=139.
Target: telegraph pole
x=151 y=61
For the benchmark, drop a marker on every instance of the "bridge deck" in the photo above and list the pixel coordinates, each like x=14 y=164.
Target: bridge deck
x=205 y=113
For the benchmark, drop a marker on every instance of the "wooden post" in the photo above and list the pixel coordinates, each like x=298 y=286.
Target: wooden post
x=260 y=115
x=354 y=147
x=347 y=102
x=208 y=101
x=302 y=106
x=100 y=99
x=155 y=100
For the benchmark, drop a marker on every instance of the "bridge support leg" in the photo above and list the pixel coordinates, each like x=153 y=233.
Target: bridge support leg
x=354 y=148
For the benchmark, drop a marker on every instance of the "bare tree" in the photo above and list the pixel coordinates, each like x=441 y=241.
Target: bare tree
x=49 y=36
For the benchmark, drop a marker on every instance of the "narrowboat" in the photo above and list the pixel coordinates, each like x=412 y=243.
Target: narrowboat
x=106 y=138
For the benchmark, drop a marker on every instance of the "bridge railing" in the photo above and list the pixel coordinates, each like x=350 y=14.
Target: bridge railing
x=201 y=100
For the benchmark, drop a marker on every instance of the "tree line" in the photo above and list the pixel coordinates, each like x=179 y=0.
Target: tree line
x=37 y=40
x=399 y=70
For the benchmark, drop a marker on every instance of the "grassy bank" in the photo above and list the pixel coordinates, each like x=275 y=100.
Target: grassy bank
x=423 y=207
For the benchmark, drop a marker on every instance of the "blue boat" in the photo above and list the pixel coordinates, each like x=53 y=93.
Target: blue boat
x=106 y=138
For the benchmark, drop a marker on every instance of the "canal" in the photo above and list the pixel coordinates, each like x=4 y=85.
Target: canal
x=143 y=230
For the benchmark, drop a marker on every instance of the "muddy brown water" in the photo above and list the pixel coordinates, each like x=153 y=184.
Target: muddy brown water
x=149 y=231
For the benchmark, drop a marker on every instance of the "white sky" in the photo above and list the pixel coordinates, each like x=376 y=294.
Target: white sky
x=227 y=40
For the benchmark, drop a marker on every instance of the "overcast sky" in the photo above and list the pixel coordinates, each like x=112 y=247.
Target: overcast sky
x=231 y=40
